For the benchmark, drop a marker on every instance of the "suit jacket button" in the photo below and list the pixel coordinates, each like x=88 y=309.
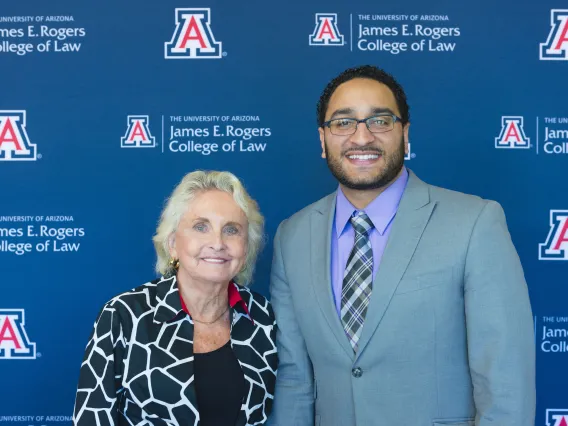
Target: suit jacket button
x=357 y=372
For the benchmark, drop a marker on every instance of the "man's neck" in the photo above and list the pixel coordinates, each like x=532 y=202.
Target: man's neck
x=361 y=198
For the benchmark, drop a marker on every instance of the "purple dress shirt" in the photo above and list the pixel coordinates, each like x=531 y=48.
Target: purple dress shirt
x=381 y=211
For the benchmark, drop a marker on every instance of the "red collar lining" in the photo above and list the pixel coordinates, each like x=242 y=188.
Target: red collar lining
x=234 y=298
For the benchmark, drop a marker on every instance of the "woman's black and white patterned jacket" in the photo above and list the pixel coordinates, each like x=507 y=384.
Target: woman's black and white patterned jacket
x=138 y=364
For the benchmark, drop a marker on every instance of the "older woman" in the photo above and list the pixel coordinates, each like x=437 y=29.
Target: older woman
x=193 y=347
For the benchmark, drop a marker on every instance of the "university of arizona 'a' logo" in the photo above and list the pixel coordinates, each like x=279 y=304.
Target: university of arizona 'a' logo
x=14 y=342
x=326 y=32
x=557 y=417
x=138 y=133
x=193 y=38
x=512 y=134
x=556 y=245
x=14 y=142
x=556 y=45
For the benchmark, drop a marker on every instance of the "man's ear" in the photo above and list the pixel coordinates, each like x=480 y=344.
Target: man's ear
x=322 y=141
x=405 y=136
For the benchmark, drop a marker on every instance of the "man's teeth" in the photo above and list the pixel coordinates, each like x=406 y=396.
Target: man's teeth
x=364 y=157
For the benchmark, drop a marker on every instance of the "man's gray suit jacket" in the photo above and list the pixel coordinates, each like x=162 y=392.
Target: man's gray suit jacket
x=448 y=338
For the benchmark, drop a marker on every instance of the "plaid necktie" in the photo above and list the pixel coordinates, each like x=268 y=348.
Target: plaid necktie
x=358 y=280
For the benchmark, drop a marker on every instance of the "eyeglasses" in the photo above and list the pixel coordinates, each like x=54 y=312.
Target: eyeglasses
x=348 y=126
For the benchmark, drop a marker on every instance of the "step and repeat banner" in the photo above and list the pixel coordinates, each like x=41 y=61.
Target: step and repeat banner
x=105 y=105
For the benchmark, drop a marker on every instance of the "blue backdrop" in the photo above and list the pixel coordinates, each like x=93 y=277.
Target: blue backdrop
x=105 y=105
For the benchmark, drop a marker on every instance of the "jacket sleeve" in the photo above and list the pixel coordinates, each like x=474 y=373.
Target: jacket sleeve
x=294 y=395
x=500 y=335
x=100 y=376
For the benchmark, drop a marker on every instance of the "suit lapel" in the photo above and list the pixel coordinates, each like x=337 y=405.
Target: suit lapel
x=410 y=221
x=321 y=222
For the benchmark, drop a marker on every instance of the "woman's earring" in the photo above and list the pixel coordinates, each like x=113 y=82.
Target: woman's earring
x=174 y=263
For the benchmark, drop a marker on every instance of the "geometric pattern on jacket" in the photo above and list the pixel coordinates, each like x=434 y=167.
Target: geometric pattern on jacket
x=138 y=364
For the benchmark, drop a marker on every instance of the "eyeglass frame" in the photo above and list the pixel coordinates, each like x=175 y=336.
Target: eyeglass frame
x=363 y=120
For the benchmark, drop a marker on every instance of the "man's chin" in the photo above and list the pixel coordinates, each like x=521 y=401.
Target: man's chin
x=361 y=184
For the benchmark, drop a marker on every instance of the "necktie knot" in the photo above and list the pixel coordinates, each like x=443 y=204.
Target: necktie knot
x=361 y=223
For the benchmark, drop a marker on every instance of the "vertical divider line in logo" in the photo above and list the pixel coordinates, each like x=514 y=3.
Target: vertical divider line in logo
x=162 y=134
x=351 y=32
x=537 y=135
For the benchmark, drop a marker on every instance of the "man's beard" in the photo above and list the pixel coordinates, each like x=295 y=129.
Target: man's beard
x=394 y=163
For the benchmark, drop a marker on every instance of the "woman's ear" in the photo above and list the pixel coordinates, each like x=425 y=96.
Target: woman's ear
x=172 y=246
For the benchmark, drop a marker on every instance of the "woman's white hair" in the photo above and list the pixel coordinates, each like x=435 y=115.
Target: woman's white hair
x=177 y=204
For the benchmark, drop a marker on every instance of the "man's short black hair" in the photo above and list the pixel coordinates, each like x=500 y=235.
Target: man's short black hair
x=364 y=71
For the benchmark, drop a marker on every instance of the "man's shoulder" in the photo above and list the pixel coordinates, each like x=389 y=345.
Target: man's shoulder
x=453 y=196
x=323 y=205
x=458 y=203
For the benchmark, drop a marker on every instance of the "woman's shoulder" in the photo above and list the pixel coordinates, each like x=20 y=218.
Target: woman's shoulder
x=247 y=294
x=258 y=305
x=143 y=294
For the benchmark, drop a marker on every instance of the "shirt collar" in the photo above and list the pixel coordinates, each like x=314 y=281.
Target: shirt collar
x=170 y=303
x=381 y=210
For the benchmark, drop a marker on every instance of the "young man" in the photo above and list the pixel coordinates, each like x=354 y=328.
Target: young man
x=398 y=303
